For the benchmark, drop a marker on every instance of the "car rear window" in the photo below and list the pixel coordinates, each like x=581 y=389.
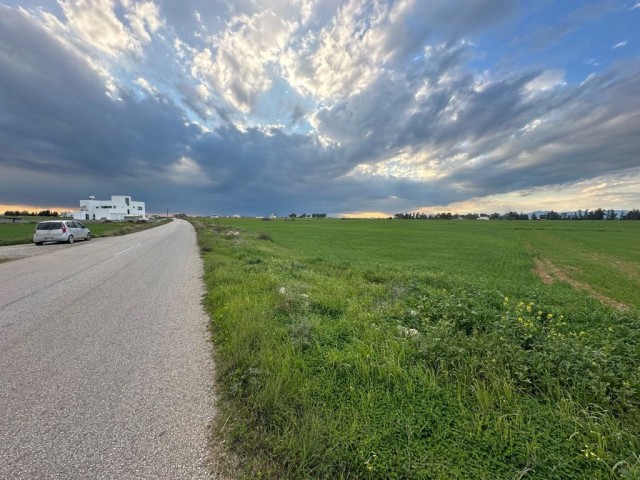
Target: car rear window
x=49 y=226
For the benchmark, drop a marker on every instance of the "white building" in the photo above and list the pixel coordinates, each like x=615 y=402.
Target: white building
x=120 y=207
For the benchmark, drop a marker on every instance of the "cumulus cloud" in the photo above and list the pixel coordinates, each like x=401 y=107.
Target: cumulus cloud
x=238 y=62
x=96 y=25
x=365 y=39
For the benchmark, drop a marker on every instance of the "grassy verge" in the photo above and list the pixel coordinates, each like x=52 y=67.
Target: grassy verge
x=21 y=233
x=400 y=350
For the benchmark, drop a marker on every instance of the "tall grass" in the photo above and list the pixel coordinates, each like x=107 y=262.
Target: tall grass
x=369 y=366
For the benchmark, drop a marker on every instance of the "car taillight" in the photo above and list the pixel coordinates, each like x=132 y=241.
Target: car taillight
x=64 y=228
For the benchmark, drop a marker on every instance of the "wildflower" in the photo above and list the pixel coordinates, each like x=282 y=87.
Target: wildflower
x=588 y=453
x=408 y=332
x=529 y=308
x=369 y=462
x=549 y=316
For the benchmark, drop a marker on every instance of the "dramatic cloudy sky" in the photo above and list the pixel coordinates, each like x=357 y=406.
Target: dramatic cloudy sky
x=343 y=107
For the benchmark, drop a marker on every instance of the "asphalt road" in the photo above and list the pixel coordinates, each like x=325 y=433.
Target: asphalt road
x=105 y=364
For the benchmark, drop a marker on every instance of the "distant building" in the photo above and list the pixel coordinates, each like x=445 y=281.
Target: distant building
x=120 y=207
x=483 y=218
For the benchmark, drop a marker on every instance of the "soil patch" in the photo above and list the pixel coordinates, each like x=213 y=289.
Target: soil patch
x=549 y=273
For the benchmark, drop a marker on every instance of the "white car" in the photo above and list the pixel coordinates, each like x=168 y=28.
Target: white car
x=60 y=231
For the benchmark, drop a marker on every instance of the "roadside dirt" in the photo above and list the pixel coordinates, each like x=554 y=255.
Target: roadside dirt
x=16 y=252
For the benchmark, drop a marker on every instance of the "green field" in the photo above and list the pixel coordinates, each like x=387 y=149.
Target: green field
x=426 y=349
x=19 y=233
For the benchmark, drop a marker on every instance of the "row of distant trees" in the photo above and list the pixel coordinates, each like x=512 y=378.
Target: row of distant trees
x=597 y=214
x=25 y=213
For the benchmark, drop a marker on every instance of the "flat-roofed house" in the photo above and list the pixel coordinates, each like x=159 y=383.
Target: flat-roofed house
x=120 y=207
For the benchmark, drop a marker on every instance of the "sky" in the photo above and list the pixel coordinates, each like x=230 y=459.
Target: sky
x=350 y=108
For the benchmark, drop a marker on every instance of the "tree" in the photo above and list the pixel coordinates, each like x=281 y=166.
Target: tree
x=597 y=214
x=551 y=215
x=515 y=216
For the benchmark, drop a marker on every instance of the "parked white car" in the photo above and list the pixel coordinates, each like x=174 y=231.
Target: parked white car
x=60 y=231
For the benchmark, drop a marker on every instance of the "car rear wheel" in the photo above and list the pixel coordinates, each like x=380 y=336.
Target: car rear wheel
x=38 y=243
x=70 y=239
x=88 y=236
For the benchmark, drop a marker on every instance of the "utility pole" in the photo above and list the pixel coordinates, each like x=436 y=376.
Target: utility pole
x=167 y=214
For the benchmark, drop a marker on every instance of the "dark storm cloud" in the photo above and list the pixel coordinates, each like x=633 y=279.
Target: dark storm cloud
x=591 y=130
x=511 y=133
x=57 y=115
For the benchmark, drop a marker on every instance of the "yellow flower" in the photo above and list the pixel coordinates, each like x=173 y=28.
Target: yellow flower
x=588 y=453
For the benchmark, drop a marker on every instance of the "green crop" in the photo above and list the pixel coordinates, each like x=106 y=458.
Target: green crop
x=416 y=349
